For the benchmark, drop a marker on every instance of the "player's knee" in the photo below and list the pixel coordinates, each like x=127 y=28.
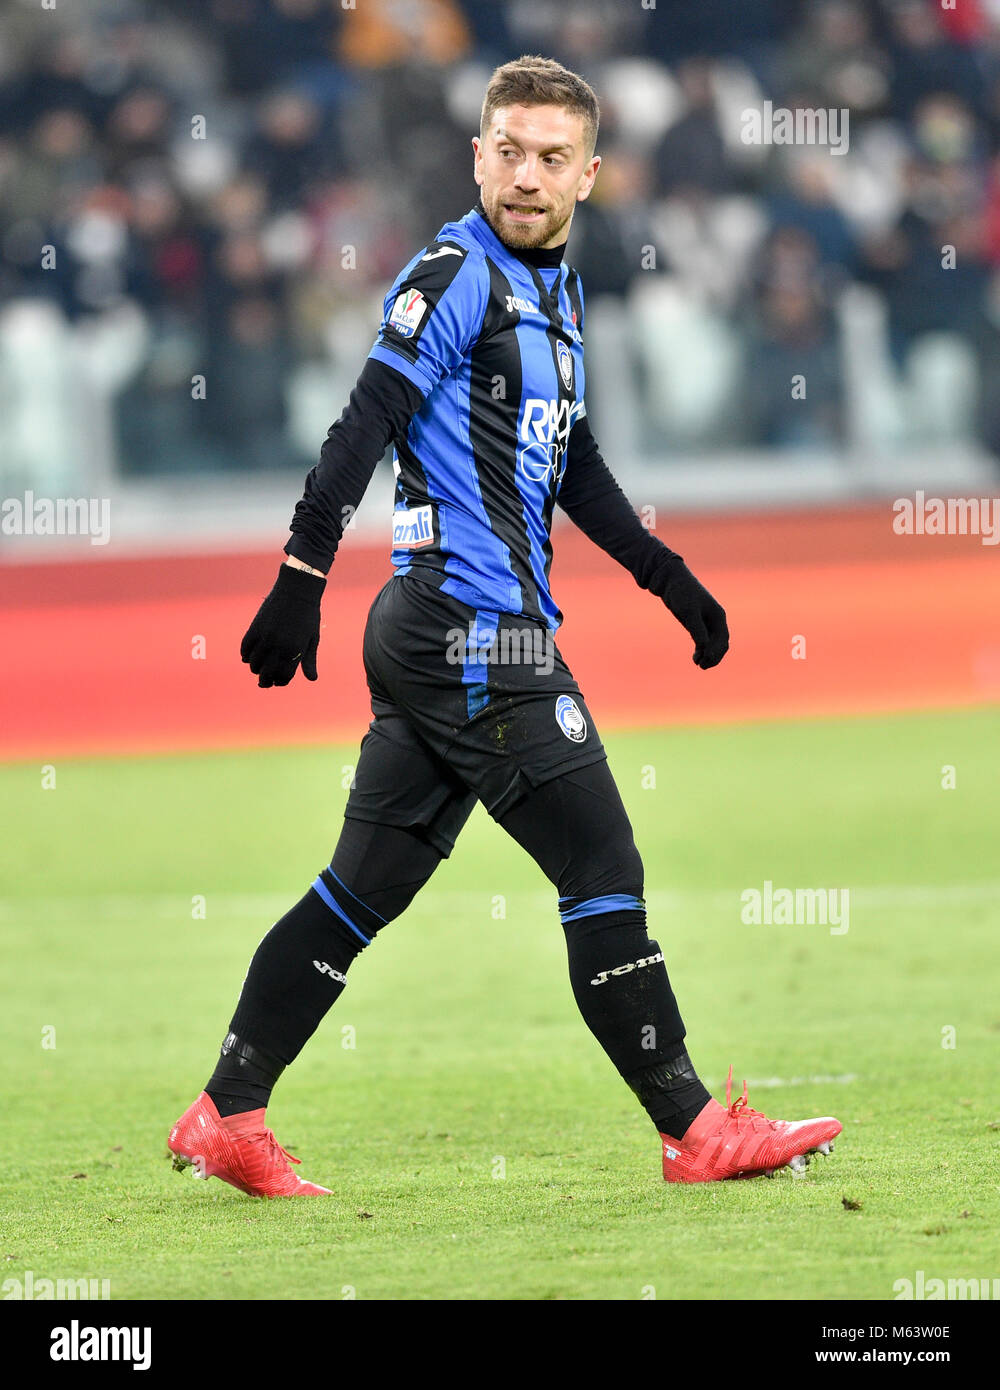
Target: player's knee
x=615 y=869
x=605 y=920
x=377 y=870
x=356 y=920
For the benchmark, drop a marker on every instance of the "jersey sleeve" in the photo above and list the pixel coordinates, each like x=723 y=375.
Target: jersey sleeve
x=433 y=314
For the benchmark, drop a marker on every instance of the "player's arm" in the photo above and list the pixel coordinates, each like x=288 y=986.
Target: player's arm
x=592 y=499
x=379 y=410
x=429 y=316
x=286 y=628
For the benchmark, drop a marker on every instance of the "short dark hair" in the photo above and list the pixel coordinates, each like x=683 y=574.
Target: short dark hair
x=535 y=81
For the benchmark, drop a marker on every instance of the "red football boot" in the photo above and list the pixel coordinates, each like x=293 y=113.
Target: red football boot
x=735 y=1141
x=237 y=1149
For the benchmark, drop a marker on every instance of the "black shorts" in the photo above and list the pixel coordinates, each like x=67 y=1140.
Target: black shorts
x=468 y=705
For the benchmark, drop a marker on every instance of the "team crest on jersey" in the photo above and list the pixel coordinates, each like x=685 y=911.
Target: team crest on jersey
x=408 y=310
x=570 y=720
x=565 y=359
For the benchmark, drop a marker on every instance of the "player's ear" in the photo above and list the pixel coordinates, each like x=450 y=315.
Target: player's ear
x=477 y=164
x=587 y=178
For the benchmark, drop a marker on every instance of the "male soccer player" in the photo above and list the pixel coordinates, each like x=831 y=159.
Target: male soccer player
x=477 y=377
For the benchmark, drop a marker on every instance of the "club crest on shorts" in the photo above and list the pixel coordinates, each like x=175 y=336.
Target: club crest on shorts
x=565 y=359
x=570 y=720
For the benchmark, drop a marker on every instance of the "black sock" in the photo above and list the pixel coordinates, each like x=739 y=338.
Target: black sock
x=622 y=989
x=243 y=1077
x=670 y=1093
x=297 y=974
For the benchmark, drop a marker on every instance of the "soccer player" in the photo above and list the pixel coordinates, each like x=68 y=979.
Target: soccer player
x=477 y=378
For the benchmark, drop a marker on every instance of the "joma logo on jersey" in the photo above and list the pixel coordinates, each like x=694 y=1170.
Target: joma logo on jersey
x=627 y=969
x=520 y=306
x=412 y=528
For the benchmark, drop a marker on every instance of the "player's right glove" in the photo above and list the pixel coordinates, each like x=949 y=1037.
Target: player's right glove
x=695 y=608
x=286 y=629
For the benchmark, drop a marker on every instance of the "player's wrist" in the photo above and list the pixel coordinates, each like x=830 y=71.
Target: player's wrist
x=669 y=567
x=300 y=582
x=293 y=562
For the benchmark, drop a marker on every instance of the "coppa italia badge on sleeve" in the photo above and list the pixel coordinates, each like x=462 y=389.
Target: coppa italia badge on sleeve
x=407 y=312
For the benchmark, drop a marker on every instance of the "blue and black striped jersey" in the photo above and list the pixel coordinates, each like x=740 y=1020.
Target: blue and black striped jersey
x=477 y=379
x=494 y=346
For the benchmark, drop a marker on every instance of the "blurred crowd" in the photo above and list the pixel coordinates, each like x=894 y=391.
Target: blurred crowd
x=201 y=208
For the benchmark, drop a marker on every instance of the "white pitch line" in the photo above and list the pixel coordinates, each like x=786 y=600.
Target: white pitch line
x=124 y=906
x=274 y=903
x=769 y=1082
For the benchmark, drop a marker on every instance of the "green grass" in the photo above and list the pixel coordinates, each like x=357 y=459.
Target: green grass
x=469 y=1049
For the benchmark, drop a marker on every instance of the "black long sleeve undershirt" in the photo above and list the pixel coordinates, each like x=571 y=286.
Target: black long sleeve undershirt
x=592 y=499
x=379 y=410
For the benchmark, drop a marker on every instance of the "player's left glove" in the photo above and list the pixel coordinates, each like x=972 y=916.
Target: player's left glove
x=695 y=608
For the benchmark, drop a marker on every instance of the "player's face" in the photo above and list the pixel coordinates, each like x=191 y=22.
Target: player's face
x=533 y=168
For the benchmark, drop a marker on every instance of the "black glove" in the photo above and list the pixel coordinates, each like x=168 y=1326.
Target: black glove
x=286 y=629
x=695 y=608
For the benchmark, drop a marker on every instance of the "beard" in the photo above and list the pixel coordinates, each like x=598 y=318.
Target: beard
x=521 y=236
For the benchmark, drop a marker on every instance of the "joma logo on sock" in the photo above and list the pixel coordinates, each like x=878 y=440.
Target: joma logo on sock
x=325 y=969
x=625 y=969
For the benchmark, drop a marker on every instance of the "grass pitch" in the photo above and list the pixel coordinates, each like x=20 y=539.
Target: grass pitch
x=478 y=1141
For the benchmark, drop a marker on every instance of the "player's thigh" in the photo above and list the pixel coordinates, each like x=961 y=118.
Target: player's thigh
x=403 y=815
x=577 y=830
x=401 y=782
